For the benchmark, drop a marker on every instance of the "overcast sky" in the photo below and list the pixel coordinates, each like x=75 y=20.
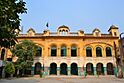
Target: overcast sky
x=76 y=14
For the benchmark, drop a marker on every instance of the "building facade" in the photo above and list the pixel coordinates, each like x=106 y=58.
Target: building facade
x=73 y=53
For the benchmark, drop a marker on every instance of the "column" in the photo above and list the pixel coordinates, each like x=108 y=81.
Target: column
x=103 y=53
x=82 y=52
x=69 y=71
x=94 y=71
x=58 y=71
x=46 y=71
x=93 y=52
x=84 y=72
x=68 y=51
x=105 y=70
x=78 y=52
x=42 y=53
x=49 y=52
x=32 y=70
x=58 y=51
x=79 y=71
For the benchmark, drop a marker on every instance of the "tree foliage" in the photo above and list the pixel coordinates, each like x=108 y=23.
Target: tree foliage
x=10 y=21
x=9 y=68
x=25 y=51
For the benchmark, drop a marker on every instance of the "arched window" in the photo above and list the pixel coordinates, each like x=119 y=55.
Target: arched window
x=63 y=32
x=38 y=51
x=73 y=51
x=60 y=32
x=98 y=52
x=63 y=51
x=108 y=51
x=66 y=32
x=2 y=54
x=89 y=52
x=53 y=51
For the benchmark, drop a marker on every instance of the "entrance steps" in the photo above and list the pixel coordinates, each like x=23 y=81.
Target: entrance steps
x=74 y=76
x=63 y=76
x=36 y=76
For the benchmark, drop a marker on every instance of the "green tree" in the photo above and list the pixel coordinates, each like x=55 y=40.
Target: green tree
x=10 y=21
x=9 y=68
x=25 y=51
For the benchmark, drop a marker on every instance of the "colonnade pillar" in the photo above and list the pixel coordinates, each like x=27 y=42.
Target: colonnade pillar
x=79 y=71
x=32 y=70
x=105 y=70
x=94 y=71
x=58 y=71
x=69 y=71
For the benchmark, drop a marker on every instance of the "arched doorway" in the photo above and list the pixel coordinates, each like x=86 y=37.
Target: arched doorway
x=89 y=68
x=63 y=69
x=74 y=69
x=37 y=68
x=53 y=69
x=100 y=69
x=110 y=69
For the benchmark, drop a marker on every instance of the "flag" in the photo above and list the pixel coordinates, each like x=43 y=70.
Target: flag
x=47 y=25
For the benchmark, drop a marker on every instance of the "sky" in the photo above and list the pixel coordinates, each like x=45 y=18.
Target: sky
x=76 y=14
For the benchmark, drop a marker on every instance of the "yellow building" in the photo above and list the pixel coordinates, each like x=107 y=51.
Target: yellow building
x=73 y=53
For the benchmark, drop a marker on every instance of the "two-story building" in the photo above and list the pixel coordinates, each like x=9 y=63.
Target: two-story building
x=72 y=53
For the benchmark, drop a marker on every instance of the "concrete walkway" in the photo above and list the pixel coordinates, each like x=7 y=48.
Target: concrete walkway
x=63 y=79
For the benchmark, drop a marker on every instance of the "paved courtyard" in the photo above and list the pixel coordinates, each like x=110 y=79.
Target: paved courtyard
x=63 y=80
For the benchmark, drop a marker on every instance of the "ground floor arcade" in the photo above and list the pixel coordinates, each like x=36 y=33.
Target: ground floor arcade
x=74 y=69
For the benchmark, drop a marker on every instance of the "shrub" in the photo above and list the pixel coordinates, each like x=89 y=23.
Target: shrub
x=9 y=68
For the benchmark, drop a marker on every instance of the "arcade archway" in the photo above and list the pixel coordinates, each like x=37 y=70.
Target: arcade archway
x=110 y=69
x=74 y=69
x=63 y=69
x=100 y=69
x=89 y=68
x=37 y=69
x=53 y=69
